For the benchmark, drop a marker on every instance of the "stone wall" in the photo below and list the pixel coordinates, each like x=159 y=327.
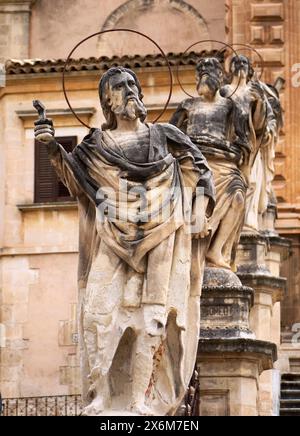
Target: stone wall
x=38 y=245
x=38 y=252
x=38 y=259
x=272 y=28
x=291 y=304
x=178 y=23
x=15 y=18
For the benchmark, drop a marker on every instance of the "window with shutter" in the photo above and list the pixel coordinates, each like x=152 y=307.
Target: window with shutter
x=48 y=188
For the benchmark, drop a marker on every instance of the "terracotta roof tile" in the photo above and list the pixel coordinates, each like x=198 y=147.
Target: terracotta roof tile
x=37 y=66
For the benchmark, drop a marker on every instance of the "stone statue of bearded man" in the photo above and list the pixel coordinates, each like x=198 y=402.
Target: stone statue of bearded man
x=139 y=188
x=219 y=130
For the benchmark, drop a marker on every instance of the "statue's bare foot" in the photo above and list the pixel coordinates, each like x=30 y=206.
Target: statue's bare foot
x=216 y=260
x=141 y=409
x=94 y=409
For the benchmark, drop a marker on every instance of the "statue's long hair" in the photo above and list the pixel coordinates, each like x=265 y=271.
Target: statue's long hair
x=111 y=121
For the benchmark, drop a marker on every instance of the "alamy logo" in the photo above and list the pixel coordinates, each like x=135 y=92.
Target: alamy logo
x=296 y=336
x=141 y=205
x=2 y=336
x=2 y=76
x=296 y=76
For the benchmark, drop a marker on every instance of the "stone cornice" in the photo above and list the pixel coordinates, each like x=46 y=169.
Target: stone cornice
x=30 y=114
x=244 y=292
x=61 y=117
x=13 y=6
x=55 y=206
x=239 y=348
x=17 y=2
x=288 y=221
x=268 y=284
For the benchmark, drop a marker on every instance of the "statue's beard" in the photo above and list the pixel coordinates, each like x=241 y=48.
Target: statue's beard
x=208 y=85
x=131 y=110
x=242 y=72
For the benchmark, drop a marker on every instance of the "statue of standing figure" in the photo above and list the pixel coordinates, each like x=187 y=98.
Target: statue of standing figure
x=140 y=189
x=261 y=104
x=219 y=129
x=236 y=127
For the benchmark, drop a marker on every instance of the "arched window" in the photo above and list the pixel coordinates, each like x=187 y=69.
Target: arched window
x=171 y=23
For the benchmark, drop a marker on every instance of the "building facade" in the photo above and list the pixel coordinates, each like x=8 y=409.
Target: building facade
x=38 y=219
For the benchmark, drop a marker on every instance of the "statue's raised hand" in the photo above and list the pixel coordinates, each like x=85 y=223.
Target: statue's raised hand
x=257 y=89
x=44 y=130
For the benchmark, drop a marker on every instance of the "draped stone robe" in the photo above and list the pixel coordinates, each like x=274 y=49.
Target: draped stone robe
x=130 y=262
x=219 y=131
x=254 y=100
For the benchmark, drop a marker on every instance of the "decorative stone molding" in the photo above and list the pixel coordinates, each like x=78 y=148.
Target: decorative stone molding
x=228 y=367
x=132 y=5
x=225 y=312
x=62 y=117
x=262 y=24
x=15 y=28
x=267 y=350
x=11 y=6
x=273 y=286
x=267 y=11
x=57 y=206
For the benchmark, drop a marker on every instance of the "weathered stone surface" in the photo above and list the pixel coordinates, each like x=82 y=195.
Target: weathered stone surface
x=225 y=312
x=217 y=126
x=259 y=265
x=40 y=239
x=229 y=371
x=251 y=254
x=267 y=350
x=138 y=307
x=218 y=277
x=15 y=32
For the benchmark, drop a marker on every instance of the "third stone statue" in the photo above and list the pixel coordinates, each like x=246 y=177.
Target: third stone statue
x=261 y=105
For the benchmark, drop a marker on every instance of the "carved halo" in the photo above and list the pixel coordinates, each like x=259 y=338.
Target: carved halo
x=248 y=47
x=202 y=42
x=109 y=31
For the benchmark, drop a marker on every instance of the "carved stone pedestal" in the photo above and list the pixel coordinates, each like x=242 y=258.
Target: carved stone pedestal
x=230 y=359
x=225 y=309
x=258 y=260
x=229 y=372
